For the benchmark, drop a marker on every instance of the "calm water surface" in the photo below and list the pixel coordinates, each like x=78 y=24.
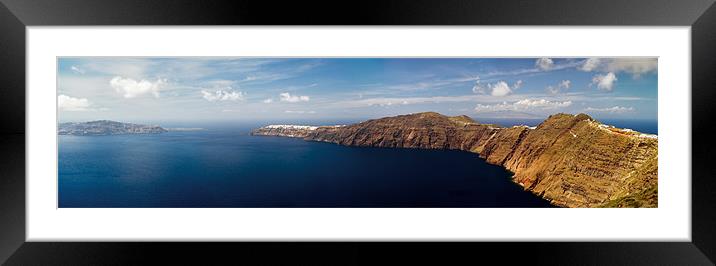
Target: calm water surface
x=226 y=167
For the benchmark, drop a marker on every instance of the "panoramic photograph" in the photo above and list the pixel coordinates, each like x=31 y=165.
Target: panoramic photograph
x=344 y=132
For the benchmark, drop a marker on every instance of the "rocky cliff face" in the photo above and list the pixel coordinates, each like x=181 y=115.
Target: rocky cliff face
x=571 y=160
x=106 y=127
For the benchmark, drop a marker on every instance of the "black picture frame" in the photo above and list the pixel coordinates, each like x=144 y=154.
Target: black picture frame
x=15 y=15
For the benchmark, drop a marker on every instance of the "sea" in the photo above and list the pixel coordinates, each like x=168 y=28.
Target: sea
x=223 y=166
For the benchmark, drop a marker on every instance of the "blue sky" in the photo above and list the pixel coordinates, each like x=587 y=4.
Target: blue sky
x=235 y=89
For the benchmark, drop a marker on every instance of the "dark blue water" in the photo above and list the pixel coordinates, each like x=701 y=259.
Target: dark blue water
x=229 y=168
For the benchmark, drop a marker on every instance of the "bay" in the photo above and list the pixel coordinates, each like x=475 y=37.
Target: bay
x=227 y=167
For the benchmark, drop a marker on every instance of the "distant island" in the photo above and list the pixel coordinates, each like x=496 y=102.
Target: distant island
x=570 y=160
x=106 y=127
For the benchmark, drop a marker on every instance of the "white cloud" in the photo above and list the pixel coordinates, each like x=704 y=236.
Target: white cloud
x=544 y=63
x=225 y=94
x=77 y=70
x=299 y=112
x=561 y=86
x=498 y=89
x=525 y=71
x=387 y=101
x=221 y=83
x=605 y=82
x=590 y=64
x=309 y=66
x=634 y=66
x=614 y=109
x=493 y=107
x=131 y=88
x=501 y=89
x=391 y=102
x=552 y=89
x=565 y=84
x=67 y=103
x=268 y=100
x=287 y=97
x=526 y=104
x=517 y=85
x=479 y=88
x=541 y=103
x=405 y=101
x=266 y=77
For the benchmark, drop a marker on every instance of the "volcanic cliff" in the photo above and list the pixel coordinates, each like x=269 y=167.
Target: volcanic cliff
x=570 y=160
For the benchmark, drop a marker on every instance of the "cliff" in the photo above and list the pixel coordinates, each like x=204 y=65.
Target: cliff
x=106 y=127
x=570 y=160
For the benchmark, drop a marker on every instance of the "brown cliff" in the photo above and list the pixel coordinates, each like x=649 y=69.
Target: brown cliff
x=571 y=160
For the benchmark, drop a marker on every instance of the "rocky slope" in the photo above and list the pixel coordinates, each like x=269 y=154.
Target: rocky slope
x=571 y=160
x=106 y=127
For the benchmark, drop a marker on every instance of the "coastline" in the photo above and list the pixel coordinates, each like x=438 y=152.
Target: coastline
x=553 y=160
